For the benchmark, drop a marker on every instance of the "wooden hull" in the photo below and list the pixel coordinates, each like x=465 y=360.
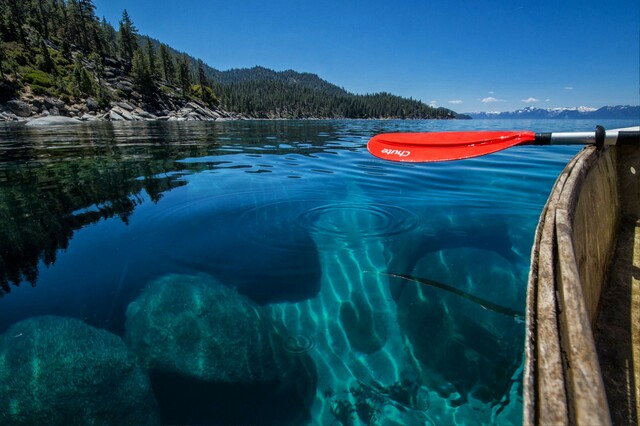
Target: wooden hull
x=565 y=382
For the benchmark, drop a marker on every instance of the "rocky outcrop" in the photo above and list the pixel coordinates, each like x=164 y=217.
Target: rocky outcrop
x=37 y=107
x=56 y=370
x=193 y=333
x=165 y=103
x=19 y=108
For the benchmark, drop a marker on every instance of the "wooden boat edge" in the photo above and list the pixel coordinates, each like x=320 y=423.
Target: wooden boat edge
x=562 y=380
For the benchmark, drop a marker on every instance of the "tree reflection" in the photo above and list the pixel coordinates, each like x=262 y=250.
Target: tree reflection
x=41 y=207
x=56 y=180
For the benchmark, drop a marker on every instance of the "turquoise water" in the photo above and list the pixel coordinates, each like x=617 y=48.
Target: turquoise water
x=264 y=272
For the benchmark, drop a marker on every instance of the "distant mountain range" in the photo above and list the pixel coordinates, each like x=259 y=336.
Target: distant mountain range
x=607 y=112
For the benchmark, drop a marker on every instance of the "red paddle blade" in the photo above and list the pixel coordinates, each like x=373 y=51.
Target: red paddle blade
x=443 y=146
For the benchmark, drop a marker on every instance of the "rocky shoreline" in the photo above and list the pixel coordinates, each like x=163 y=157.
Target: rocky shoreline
x=23 y=110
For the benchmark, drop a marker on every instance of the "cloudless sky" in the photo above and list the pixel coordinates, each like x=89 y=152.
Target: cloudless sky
x=467 y=55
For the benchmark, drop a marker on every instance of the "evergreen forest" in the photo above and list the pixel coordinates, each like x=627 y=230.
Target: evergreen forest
x=60 y=49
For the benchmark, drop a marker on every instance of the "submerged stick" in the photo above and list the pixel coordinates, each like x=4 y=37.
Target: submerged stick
x=486 y=304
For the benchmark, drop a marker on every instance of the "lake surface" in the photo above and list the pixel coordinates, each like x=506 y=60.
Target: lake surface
x=266 y=272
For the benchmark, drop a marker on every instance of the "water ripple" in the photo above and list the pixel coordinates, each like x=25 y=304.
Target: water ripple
x=298 y=344
x=360 y=220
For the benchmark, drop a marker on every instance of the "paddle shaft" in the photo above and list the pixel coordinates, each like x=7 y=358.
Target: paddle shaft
x=610 y=137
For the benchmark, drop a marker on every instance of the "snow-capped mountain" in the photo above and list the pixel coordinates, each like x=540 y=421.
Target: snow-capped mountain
x=620 y=111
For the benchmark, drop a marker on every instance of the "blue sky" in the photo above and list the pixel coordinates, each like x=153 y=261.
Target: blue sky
x=467 y=55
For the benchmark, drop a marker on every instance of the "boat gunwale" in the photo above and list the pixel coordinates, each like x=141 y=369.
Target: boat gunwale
x=562 y=379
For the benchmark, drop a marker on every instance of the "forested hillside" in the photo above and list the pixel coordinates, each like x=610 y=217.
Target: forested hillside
x=59 y=53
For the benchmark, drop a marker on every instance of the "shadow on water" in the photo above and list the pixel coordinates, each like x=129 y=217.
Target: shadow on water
x=57 y=180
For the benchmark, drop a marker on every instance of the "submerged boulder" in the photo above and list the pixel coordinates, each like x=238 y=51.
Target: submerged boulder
x=454 y=285
x=468 y=347
x=216 y=357
x=56 y=370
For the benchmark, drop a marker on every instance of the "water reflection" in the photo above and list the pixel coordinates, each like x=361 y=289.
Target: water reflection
x=42 y=205
x=56 y=180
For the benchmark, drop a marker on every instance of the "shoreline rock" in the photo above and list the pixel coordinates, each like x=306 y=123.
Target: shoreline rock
x=44 y=111
x=52 y=120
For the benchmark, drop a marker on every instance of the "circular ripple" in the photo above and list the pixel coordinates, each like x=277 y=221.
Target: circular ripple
x=273 y=224
x=360 y=220
x=299 y=344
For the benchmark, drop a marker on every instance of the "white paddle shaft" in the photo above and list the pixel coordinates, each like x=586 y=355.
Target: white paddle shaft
x=611 y=136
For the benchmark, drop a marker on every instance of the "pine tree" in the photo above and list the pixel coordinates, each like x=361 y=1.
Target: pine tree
x=2 y=58
x=96 y=60
x=47 y=63
x=16 y=17
x=202 y=77
x=66 y=49
x=58 y=19
x=168 y=66
x=184 y=75
x=81 y=78
x=152 y=60
x=65 y=30
x=44 y=18
x=55 y=10
x=103 y=96
x=141 y=73
x=205 y=92
x=128 y=37
x=75 y=24
x=89 y=26
x=109 y=36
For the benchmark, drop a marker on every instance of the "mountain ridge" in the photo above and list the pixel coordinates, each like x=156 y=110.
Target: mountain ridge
x=582 y=112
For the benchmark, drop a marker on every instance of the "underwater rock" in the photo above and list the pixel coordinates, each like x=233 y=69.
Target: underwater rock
x=212 y=353
x=366 y=332
x=457 y=314
x=406 y=250
x=56 y=370
x=465 y=350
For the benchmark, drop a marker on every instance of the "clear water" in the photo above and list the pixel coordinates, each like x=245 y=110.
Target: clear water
x=389 y=293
